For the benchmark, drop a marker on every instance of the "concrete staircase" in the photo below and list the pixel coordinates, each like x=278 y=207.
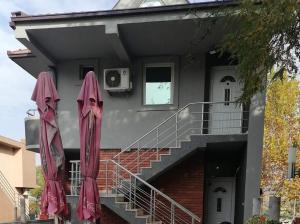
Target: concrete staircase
x=138 y=202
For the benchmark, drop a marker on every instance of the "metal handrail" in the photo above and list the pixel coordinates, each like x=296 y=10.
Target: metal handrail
x=159 y=192
x=31 y=112
x=10 y=192
x=115 y=184
x=180 y=126
x=166 y=120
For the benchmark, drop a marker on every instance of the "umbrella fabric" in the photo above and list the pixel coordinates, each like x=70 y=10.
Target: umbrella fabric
x=53 y=200
x=90 y=114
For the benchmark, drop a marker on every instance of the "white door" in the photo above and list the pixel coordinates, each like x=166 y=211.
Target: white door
x=220 y=200
x=225 y=118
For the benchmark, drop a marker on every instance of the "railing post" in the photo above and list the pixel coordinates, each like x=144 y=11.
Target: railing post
x=117 y=177
x=157 y=141
x=151 y=205
x=72 y=178
x=202 y=119
x=130 y=192
x=134 y=192
x=176 y=125
x=106 y=177
x=172 y=214
x=119 y=159
x=77 y=177
x=138 y=158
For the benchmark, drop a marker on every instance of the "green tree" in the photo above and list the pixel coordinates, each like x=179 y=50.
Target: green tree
x=281 y=130
x=266 y=37
x=36 y=193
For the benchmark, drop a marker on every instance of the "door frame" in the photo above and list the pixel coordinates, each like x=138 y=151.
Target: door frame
x=220 y=179
x=213 y=80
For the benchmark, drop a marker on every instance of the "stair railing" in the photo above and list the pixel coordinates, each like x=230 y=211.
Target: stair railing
x=115 y=180
x=197 y=118
x=12 y=195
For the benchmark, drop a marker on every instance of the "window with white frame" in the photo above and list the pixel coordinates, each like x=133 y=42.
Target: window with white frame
x=151 y=3
x=158 y=84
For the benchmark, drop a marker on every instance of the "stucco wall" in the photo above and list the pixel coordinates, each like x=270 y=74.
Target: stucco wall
x=125 y=118
x=11 y=165
x=6 y=208
x=18 y=166
x=29 y=169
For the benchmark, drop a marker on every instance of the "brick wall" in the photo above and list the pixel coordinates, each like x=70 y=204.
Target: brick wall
x=185 y=183
x=129 y=161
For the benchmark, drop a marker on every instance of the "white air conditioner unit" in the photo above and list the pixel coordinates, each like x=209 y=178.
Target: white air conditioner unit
x=117 y=79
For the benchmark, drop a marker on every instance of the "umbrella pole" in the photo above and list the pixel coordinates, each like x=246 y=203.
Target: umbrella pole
x=56 y=219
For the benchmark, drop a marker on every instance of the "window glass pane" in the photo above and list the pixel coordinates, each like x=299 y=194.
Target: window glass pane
x=85 y=69
x=219 y=204
x=227 y=96
x=158 y=85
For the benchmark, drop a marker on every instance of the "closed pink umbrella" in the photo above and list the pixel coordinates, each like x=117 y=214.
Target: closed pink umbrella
x=90 y=115
x=53 y=200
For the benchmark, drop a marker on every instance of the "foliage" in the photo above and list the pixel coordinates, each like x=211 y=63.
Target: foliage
x=257 y=220
x=267 y=37
x=36 y=192
x=272 y=222
x=261 y=220
x=281 y=131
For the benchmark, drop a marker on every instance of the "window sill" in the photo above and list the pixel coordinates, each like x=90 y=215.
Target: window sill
x=158 y=108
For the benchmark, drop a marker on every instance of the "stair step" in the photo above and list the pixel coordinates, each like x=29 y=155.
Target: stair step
x=142 y=216
x=138 y=211
x=111 y=195
x=165 y=154
x=122 y=203
x=120 y=198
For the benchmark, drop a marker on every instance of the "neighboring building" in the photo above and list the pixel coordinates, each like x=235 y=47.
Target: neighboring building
x=17 y=175
x=206 y=157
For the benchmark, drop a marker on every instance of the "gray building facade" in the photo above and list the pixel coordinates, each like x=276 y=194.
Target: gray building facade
x=179 y=46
